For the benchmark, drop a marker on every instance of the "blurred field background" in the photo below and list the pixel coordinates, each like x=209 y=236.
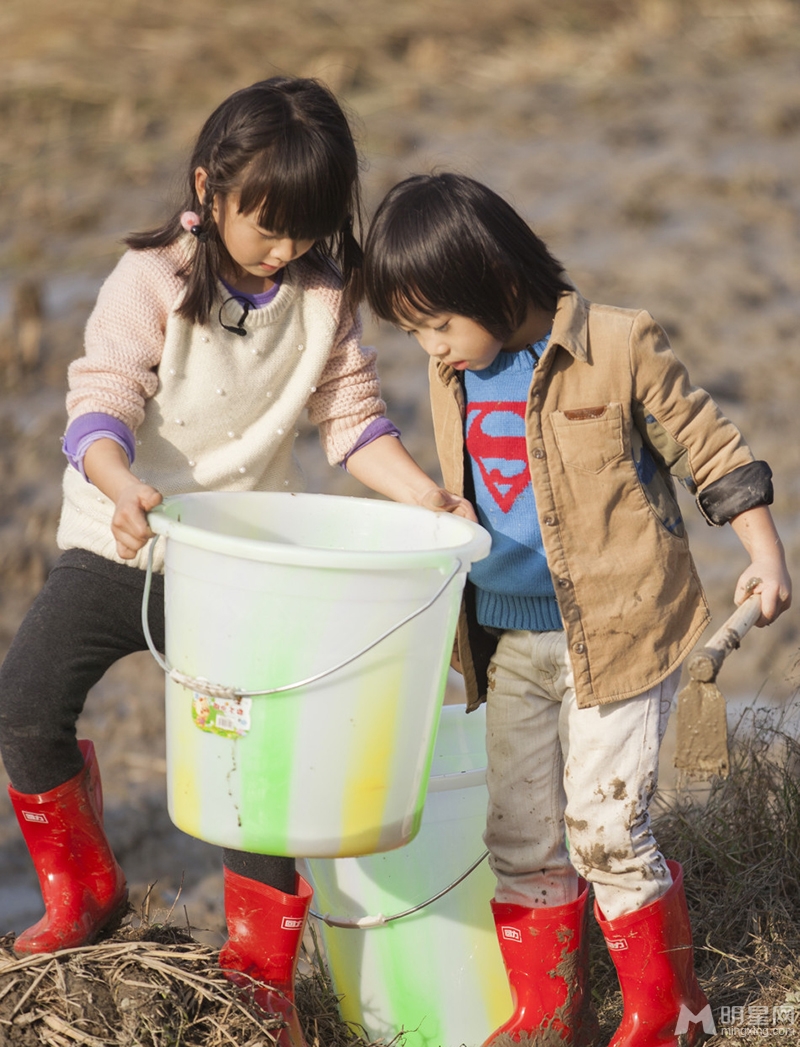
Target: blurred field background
x=654 y=144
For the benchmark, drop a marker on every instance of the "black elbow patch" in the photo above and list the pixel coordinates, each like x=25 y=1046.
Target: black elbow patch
x=745 y=488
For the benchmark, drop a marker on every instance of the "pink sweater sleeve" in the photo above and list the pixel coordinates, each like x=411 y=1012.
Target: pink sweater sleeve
x=347 y=398
x=124 y=338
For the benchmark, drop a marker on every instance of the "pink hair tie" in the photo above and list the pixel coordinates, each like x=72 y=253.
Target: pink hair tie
x=191 y=223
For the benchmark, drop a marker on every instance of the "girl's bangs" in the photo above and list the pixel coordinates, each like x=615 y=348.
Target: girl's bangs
x=295 y=196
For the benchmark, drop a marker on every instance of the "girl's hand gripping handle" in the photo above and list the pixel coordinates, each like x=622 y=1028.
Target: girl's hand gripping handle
x=129 y=524
x=106 y=465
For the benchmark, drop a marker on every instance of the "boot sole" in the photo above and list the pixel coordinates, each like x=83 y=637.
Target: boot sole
x=106 y=928
x=113 y=921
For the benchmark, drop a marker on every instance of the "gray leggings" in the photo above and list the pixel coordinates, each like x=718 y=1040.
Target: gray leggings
x=87 y=617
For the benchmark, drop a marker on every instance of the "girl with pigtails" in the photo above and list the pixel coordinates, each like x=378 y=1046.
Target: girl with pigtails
x=208 y=340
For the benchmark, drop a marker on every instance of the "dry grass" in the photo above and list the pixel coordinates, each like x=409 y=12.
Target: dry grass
x=741 y=849
x=151 y=985
x=160 y=988
x=739 y=845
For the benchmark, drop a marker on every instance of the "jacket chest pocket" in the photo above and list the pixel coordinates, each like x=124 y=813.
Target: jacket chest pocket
x=589 y=438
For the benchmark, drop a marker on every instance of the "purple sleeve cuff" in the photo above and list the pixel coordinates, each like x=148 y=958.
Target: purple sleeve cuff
x=87 y=428
x=378 y=427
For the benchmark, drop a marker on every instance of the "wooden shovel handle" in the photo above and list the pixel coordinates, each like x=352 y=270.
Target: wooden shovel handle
x=707 y=662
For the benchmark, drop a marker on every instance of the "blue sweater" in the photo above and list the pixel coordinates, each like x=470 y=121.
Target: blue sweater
x=513 y=584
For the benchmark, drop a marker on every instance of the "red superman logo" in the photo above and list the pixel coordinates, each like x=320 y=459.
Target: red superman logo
x=483 y=446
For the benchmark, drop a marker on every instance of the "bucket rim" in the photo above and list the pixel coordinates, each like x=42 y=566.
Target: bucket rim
x=473 y=541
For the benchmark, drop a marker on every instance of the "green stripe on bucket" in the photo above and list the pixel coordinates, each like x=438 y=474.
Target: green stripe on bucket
x=267 y=766
x=404 y=983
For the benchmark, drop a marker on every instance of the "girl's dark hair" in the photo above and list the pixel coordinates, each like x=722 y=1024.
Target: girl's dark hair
x=445 y=243
x=285 y=146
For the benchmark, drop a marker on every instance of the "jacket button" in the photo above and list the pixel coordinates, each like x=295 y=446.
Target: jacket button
x=539 y=453
x=550 y=521
x=579 y=648
x=564 y=583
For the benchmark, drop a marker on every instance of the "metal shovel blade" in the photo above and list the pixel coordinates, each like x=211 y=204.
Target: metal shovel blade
x=701 y=749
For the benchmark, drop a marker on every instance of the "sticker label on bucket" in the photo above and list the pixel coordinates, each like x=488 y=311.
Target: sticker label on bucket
x=228 y=717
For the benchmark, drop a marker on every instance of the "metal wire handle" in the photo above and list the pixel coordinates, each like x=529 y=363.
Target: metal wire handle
x=214 y=690
x=365 y=923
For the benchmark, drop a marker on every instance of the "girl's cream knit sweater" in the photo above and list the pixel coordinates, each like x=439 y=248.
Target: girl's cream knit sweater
x=210 y=410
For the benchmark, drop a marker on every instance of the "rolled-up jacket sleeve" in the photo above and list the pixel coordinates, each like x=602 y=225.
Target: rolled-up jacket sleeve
x=744 y=488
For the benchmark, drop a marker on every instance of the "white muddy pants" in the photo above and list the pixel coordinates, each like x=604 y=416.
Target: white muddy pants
x=555 y=769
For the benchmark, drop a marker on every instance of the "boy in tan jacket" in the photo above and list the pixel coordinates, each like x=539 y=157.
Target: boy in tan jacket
x=566 y=423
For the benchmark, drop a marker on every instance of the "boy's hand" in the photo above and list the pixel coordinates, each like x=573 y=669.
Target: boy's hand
x=442 y=501
x=771 y=581
x=129 y=523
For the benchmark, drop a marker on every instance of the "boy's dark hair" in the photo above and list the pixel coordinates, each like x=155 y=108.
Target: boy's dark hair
x=285 y=146
x=445 y=243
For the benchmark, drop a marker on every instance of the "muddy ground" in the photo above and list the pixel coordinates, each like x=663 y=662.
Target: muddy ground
x=654 y=144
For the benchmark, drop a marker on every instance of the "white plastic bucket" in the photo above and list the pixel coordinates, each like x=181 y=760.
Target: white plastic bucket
x=437 y=974
x=267 y=590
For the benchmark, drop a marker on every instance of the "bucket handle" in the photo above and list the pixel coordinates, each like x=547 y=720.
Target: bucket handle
x=214 y=690
x=366 y=923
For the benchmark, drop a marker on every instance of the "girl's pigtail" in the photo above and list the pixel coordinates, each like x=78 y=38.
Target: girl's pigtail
x=352 y=255
x=352 y=262
x=202 y=272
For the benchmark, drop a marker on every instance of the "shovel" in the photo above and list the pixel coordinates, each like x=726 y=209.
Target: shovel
x=702 y=726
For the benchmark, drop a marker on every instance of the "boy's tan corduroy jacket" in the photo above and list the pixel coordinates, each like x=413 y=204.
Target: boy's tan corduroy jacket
x=628 y=591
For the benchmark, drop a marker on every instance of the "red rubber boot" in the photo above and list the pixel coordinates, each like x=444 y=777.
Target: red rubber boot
x=546 y=955
x=265 y=931
x=82 y=885
x=652 y=952
x=93 y=770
